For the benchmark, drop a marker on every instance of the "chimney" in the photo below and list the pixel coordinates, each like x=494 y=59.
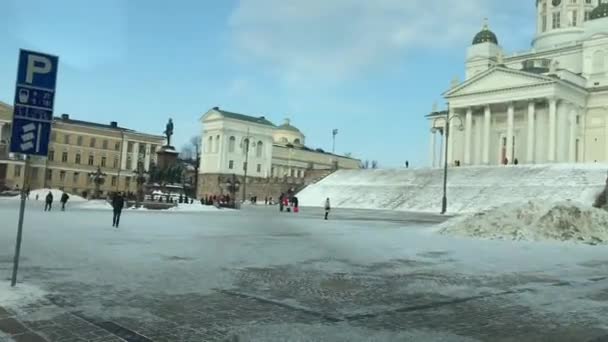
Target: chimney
x=65 y=116
x=113 y=124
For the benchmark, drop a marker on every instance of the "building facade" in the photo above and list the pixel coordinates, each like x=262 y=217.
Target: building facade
x=77 y=149
x=274 y=157
x=546 y=105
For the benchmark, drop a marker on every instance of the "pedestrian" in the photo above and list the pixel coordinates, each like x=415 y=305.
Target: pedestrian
x=296 y=205
x=64 y=199
x=48 y=202
x=281 y=205
x=515 y=161
x=37 y=197
x=327 y=208
x=118 y=202
x=407 y=164
x=27 y=193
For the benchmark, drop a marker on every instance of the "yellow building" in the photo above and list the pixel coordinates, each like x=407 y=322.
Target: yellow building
x=77 y=149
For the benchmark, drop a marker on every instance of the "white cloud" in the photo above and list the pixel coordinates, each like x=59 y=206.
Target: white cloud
x=336 y=39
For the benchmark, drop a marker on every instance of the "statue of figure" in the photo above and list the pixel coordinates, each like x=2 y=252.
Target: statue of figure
x=169 y=131
x=500 y=58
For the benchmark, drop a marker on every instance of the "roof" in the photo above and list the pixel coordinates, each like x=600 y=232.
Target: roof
x=601 y=11
x=242 y=117
x=288 y=127
x=91 y=124
x=308 y=149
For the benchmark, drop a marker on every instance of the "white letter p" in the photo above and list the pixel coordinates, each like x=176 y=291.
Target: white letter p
x=32 y=68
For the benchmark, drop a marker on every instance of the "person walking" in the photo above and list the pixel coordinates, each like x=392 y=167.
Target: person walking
x=118 y=202
x=64 y=200
x=48 y=202
x=327 y=208
x=281 y=204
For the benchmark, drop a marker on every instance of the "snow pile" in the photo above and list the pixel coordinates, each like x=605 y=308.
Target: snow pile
x=194 y=207
x=470 y=189
x=20 y=295
x=56 y=195
x=534 y=221
x=95 y=205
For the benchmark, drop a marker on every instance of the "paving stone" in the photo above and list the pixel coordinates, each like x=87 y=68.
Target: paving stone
x=11 y=326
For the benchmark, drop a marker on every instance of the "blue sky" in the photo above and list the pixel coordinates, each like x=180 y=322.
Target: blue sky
x=372 y=69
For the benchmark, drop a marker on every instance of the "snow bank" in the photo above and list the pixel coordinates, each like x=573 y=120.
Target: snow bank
x=535 y=221
x=195 y=207
x=20 y=295
x=470 y=189
x=95 y=205
x=56 y=195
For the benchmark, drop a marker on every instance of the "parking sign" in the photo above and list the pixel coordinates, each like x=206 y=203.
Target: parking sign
x=33 y=103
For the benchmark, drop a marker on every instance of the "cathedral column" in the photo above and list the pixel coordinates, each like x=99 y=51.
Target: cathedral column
x=135 y=157
x=572 y=141
x=451 y=138
x=486 y=135
x=552 y=129
x=467 y=136
x=510 y=119
x=531 y=127
x=433 y=147
x=147 y=158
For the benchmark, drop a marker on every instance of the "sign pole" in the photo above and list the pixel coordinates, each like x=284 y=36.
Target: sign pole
x=24 y=190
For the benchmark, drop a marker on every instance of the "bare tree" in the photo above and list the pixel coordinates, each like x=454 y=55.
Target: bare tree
x=192 y=153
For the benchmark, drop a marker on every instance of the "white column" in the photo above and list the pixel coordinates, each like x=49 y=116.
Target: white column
x=123 y=157
x=486 y=135
x=572 y=141
x=531 y=127
x=510 y=119
x=1 y=128
x=135 y=156
x=147 y=158
x=451 y=135
x=478 y=144
x=433 y=149
x=467 y=136
x=552 y=129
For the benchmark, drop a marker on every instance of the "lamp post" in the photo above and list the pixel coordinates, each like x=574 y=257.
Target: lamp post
x=333 y=134
x=98 y=178
x=446 y=134
x=246 y=166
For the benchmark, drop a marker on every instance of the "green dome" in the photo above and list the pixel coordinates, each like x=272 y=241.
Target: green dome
x=485 y=36
x=599 y=12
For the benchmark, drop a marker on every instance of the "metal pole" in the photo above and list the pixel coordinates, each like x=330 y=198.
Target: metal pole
x=246 y=167
x=444 y=200
x=20 y=224
x=333 y=147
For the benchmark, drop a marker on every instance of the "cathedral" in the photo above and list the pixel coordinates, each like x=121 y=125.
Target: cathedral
x=545 y=105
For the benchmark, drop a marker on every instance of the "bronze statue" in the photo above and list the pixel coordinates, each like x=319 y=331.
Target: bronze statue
x=169 y=131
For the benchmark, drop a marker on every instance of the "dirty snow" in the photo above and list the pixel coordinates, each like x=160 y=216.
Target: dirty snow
x=20 y=295
x=56 y=195
x=95 y=205
x=535 y=221
x=470 y=189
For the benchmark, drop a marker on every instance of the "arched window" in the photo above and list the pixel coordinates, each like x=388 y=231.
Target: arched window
x=246 y=146
x=217 y=144
x=231 y=144
x=297 y=142
x=258 y=149
x=598 y=62
x=284 y=140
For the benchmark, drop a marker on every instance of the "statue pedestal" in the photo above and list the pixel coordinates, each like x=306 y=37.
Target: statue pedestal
x=167 y=157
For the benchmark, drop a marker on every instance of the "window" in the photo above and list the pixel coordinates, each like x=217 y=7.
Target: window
x=231 y=144
x=117 y=146
x=114 y=179
x=142 y=149
x=49 y=174
x=17 y=171
x=544 y=23
x=77 y=158
x=64 y=157
x=231 y=164
x=299 y=173
x=115 y=165
x=587 y=14
x=128 y=182
x=557 y=16
x=75 y=177
x=66 y=139
x=272 y=172
x=284 y=140
x=259 y=168
x=209 y=146
x=259 y=149
x=79 y=140
x=103 y=161
x=130 y=147
x=104 y=145
x=588 y=1
x=217 y=144
x=91 y=160
x=245 y=146
x=244 y=166
x=129 y=163
x=34 y=173
x=92 y=142
x=62 y=176
x=297 y=142
x=574 y=18
x=51 y=156
x=53 y=136
x=292 y=173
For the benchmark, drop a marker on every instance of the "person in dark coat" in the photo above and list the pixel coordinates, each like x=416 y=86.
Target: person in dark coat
x=118 y=202
x=64 y=200
x=327 y=208
x=48 y=202
x=281 y=204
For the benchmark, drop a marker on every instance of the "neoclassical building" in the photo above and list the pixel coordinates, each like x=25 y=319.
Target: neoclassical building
x=545 y=105
x=273 y=157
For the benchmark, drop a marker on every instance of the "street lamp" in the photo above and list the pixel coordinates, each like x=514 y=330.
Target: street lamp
x=246 y=166
x=333 y=146
x=141 y=178
x=98 y=178
x=446 y=134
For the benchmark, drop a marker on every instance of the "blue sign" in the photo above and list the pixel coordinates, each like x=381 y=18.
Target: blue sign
x=33 y=104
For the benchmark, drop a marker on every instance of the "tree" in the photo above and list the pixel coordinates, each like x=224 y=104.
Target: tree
x=192 y=153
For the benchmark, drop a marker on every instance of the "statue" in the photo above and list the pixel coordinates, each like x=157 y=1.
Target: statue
x=169 y=131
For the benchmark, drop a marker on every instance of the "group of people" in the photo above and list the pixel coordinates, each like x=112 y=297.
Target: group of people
x=289 y=203
x=117 y=200
x=48 y=201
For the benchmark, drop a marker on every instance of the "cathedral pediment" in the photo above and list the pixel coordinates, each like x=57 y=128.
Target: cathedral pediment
x=498 y=78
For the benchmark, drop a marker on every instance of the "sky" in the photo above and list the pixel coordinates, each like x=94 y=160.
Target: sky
x=371 y=69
